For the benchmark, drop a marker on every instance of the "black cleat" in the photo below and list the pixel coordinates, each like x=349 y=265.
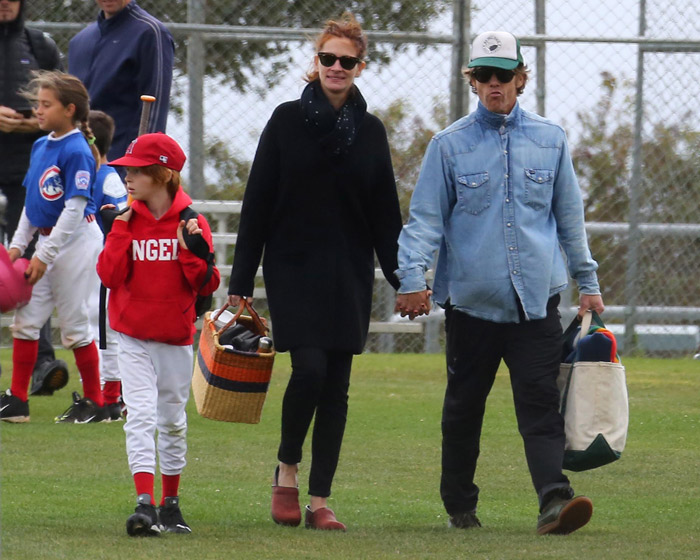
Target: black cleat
x=13 y=409
x=171 y=520
x=82 y=411
x=144 y=521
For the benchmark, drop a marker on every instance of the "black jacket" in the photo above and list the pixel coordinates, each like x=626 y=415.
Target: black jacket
x=17 y=61
x=319 y=219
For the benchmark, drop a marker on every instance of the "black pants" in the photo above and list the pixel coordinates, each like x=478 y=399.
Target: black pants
x=319 y=383
x=532 y=352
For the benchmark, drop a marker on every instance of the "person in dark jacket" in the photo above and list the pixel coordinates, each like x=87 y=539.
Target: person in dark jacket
x=320 y=200
x=22 y=51
x=125 y=54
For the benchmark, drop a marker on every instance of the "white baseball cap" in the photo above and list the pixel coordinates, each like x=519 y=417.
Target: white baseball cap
x=498 y=49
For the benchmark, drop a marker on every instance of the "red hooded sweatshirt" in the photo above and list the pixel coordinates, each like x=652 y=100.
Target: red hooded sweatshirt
x=154 y=281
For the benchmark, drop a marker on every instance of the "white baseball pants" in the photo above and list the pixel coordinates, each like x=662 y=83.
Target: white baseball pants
x=156 y=381
x=64 y=286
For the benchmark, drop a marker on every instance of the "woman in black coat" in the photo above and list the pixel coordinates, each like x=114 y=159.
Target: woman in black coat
x=320 y=201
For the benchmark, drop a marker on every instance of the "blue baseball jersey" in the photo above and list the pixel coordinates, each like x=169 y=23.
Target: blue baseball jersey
x=109 y=189
x=59 y=169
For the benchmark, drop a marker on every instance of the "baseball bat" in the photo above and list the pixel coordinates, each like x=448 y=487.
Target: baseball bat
x=146 y=103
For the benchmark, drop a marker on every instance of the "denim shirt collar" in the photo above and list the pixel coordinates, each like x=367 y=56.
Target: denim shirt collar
x=497 y=120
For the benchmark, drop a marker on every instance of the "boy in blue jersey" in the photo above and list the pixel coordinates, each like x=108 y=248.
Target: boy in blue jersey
x=109 y=189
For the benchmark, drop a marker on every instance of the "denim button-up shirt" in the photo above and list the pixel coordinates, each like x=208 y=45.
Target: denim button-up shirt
x=498 y=198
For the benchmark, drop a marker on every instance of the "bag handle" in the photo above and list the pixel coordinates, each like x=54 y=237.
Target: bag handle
x=260 y=322
x=585 y=326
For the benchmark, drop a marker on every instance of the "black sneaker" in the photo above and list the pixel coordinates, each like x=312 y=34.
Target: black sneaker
x=466 y=520
x=144 y=521
x=82 y=411
x=171 y=520
x=49 y=377
x=113 y=412
x=13 y=409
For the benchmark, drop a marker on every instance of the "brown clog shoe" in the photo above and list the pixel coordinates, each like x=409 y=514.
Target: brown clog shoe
x=284 y=507
x=323 y=518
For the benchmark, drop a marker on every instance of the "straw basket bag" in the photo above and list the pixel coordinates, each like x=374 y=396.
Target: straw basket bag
x=229 y=384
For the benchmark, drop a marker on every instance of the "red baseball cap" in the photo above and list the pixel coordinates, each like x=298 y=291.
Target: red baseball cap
x=153 y=149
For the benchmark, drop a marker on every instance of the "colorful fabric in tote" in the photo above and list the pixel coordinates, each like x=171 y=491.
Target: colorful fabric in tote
x=594 y=401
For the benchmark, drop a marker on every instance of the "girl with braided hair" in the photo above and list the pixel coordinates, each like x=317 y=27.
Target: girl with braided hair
x=59 y=206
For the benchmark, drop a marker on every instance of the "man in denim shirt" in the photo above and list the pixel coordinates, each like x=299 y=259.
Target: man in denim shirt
x=498 y=199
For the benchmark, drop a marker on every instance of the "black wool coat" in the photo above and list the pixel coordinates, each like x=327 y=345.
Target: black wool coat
x=319 y=219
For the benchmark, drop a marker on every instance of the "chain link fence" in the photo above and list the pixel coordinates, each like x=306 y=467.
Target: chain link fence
x=618 y=76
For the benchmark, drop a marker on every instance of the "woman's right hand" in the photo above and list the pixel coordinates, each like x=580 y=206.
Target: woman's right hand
x=235 y=300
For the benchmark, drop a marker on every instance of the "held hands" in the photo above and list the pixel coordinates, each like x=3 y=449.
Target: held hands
x=413 y=304
x=35 y=270
x=594 y=303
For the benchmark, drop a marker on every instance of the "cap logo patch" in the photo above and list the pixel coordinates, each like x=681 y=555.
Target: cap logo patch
x=492 y=44
x=130 y=149
x=163 y=159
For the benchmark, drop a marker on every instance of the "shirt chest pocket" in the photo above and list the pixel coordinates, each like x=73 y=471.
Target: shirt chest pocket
x=473 y=194
x=539 y=184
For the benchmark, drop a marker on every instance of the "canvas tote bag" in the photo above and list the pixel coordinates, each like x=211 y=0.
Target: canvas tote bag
x=594 y=404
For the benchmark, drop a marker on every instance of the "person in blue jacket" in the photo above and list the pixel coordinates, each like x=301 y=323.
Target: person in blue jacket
x=125 y=54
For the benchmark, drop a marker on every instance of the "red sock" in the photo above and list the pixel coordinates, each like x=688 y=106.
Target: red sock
x=144 y=484
x=88 y=361
x=171 y=485
x=111 y=391
x=24 y=353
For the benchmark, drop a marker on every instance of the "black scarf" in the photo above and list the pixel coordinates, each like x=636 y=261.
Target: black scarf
x=335 y=130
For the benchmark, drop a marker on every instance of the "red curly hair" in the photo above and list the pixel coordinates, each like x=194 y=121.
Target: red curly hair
x=347 y=28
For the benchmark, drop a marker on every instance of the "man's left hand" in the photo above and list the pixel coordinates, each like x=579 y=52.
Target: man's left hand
x=592 y=302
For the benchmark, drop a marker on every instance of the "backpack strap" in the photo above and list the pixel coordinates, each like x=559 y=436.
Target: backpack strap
x=198 y=245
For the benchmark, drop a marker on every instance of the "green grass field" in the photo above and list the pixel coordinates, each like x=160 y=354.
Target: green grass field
x=66 y=490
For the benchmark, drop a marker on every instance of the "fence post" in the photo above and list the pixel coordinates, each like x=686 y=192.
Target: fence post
x=195 y=76
x=461 y=34
x=541 y=91
x=632 y=274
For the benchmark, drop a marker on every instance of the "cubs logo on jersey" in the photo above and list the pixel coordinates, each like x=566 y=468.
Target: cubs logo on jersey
x=50 y=184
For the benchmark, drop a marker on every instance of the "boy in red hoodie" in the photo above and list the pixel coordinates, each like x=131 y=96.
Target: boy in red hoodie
x=154 y=281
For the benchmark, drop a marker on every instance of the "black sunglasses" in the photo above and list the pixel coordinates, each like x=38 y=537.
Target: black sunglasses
x=347 y=62
x=483 y=74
